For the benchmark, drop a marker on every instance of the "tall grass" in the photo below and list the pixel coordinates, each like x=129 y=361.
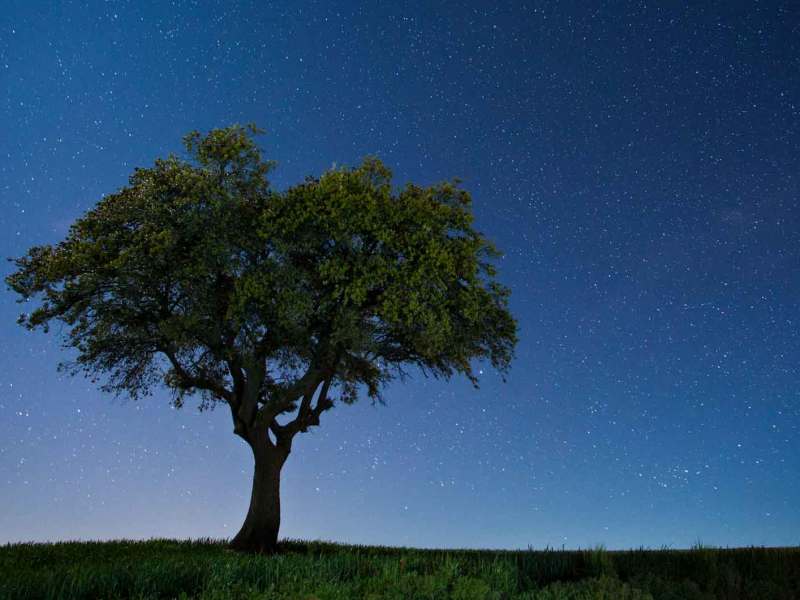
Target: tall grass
x=319 y=570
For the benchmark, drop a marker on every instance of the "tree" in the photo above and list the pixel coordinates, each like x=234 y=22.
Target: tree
x=198 y=276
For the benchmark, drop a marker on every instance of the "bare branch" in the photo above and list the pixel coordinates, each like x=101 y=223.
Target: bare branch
x=306 y=416
x=255 y=371
x=284 y=397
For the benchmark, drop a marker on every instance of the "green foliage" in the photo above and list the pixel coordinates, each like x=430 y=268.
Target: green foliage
x=603 y=588
x=308 y=570
x=197 y=269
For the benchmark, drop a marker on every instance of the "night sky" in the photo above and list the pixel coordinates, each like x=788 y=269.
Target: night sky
x=638 y=164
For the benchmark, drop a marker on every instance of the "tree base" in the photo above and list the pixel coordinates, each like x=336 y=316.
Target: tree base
x=254 y=540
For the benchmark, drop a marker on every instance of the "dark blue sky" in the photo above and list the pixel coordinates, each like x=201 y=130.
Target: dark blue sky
x=637 y=163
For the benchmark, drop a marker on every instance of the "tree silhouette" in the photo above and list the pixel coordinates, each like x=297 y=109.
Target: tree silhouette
x=200 y=277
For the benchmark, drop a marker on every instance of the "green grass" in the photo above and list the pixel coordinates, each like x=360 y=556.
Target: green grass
x=325 y=571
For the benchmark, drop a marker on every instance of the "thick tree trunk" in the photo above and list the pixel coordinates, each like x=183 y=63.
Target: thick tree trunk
x=260 y=530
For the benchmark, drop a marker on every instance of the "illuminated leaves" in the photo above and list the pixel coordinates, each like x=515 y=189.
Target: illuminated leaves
x=201 y=262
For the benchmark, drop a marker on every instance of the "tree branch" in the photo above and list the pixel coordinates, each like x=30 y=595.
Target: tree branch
x=255 y=370
x=306 y=416
x=196 y=381
x=283 y=397
x=235 y=370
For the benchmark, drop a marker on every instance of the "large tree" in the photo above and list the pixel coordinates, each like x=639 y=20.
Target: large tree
x=198 y=276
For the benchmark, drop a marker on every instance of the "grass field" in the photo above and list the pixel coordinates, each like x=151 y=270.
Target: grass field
x=318 y=570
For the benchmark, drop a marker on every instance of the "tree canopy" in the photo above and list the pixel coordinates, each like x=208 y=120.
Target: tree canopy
x=199 y=276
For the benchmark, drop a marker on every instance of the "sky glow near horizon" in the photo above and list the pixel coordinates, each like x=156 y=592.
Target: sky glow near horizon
x=639 y=167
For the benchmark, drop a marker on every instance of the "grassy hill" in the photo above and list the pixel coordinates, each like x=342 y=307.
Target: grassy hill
x=322 y=571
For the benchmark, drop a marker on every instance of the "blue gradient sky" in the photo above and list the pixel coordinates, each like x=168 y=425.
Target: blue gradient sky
x=638 y=166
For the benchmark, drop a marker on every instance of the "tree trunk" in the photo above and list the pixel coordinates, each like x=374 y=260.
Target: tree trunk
x=259 y=533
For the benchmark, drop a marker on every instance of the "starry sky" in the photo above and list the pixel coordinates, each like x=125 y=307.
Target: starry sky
x=639 y=165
